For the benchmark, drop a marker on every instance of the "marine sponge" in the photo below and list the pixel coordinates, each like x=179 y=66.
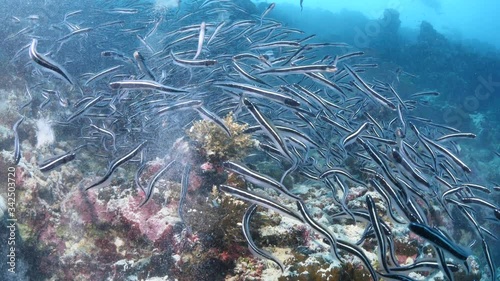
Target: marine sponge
x=44 y=133
x=212 y=142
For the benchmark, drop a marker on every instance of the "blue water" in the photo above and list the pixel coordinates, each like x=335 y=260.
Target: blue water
x=465 y=22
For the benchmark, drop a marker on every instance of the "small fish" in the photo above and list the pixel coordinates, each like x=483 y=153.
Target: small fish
x=146 y=44
x=122 y=11
x=251 y=244
x=192 y=63
x=141 y=64
x=144 y=85
x=46 y=63
x=137 y=177
x=439 y=240
x=191 y=104
x=445 y=152
x=101 y=74
x=258 y=92
x=339 y=171
x=117 y=56
x=201 y=38
x=17 y=142
x=84 y=108
x=475 y=200
x=152 y=182
x=208 y=115
x=322 y=230
x=56 y=161
x=259 y=179
x=216 y=31
x=345 y=192
x=70 y=14
x=30 y=99
x=155 y=27
x=267 y=11
x=184 y=190
x=106 y=132
x=115 y=164
x=425 y=145
x=276 y=44
x=354 y=250
x=382 y=243
x=351 y=138
x=426 y=93
x=442 y=264
x=405 y=166
x=260 y=200
x=73 y=33
x=368 y=90
x=269 y=129
x=298 y=69
x=387 y=192
x=424 y=265
x=457 y=135
x=376 y=157
x=246 y=75
x=489 y=259
x=350 y=55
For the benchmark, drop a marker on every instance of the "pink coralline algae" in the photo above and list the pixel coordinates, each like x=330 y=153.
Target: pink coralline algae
x=151 y=221
x=207 y=167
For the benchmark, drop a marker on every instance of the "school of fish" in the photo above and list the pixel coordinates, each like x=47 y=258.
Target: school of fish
x=131 y=78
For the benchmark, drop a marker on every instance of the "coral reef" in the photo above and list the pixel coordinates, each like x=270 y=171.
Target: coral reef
x=103 y=234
